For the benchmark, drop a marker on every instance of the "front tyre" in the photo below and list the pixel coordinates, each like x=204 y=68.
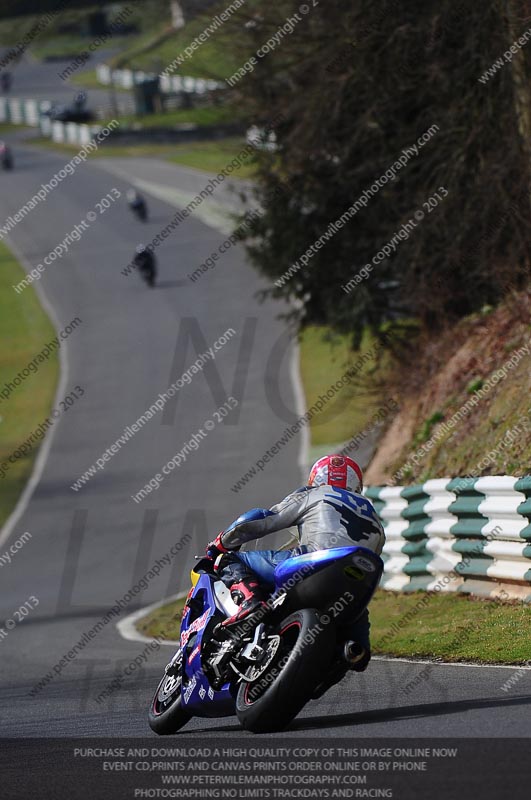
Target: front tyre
x=276 y=696
x=166 y=713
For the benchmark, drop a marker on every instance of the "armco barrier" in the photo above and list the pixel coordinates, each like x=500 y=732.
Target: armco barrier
x=127 y=79
x=21 y=111
x=70 y=132
x=470 y=535
x=31 y=112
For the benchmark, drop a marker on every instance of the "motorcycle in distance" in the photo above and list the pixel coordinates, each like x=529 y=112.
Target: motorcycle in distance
x=6 y=156
x=6 y=81
x=145 y=262
x=137 y=204
x=268 y=667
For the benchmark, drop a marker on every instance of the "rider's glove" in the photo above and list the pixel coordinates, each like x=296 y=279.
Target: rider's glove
x=216 y=548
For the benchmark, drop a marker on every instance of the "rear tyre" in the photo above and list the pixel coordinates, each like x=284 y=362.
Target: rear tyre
x=166 y=713
x=275 y=697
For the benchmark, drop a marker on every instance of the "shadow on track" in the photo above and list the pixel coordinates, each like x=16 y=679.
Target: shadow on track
x=407 y=712
x=380 y=715
x=170 y=284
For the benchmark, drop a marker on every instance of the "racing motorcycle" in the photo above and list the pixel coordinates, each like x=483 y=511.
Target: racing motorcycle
x=149 y=273
x=6 y=81
x=266 y=668
x=145 y=263
x=137 y=204
x=6 y=156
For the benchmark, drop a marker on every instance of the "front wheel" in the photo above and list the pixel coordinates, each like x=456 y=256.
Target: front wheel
x=166 y=713
x=275 y=696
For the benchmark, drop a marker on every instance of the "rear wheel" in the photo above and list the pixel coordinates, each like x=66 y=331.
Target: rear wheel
x=301 y=655
x=166 y=713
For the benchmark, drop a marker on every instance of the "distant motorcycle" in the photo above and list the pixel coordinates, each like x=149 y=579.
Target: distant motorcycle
x=266 y=669
x=6 y=156
x=137 y=204
x=145 y=262
x=6 y=81
x=75 y=112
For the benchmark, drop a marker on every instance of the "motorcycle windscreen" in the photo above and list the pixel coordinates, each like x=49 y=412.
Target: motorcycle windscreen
x=319 y=579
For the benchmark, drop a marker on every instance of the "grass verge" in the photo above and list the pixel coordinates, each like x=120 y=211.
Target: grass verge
x=71 y=45
x=9 y=127
x=205 y=156
x=164 y=621
x=199 y=115
x=449 y=627
x=324 y=359
x=212 y=156
x=155 y=50
x=89 y=80
x=24 y=331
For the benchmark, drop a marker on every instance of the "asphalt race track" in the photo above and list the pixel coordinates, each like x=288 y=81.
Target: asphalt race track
x=132 y=343
x=88 y=548
x=40 y=80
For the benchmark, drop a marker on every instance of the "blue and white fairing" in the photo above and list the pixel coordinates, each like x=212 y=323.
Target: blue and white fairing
x=309 y=563
x=197 y=693
x=320 y=577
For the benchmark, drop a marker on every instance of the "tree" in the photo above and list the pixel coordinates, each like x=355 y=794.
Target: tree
x=353 y=88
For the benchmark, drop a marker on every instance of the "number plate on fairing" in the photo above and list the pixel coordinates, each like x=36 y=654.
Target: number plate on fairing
x=364 y=563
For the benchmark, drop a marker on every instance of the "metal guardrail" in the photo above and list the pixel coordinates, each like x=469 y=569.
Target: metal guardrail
x=33 y=113
x=470 y=535
x=21 y=111
x=128 y=79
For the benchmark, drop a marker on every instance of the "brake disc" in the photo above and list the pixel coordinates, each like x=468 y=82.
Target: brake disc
x=256 y=670
x=171 y=683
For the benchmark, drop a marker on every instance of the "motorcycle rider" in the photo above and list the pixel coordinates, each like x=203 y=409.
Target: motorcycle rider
x=80 y=100
x=6 y=80
x=6 y=156
x=329 y=512
x=137 y=203
x=144 y=261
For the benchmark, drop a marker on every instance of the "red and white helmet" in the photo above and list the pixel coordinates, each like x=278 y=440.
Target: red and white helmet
x=339 y=471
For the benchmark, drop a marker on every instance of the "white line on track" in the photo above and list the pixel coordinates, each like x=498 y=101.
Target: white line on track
x=300 y=405
x=450 y=663
x=212 y=212
x=44 y=449
x=127 y=629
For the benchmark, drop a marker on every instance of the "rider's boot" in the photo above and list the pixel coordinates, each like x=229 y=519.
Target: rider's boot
x=249 y=596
